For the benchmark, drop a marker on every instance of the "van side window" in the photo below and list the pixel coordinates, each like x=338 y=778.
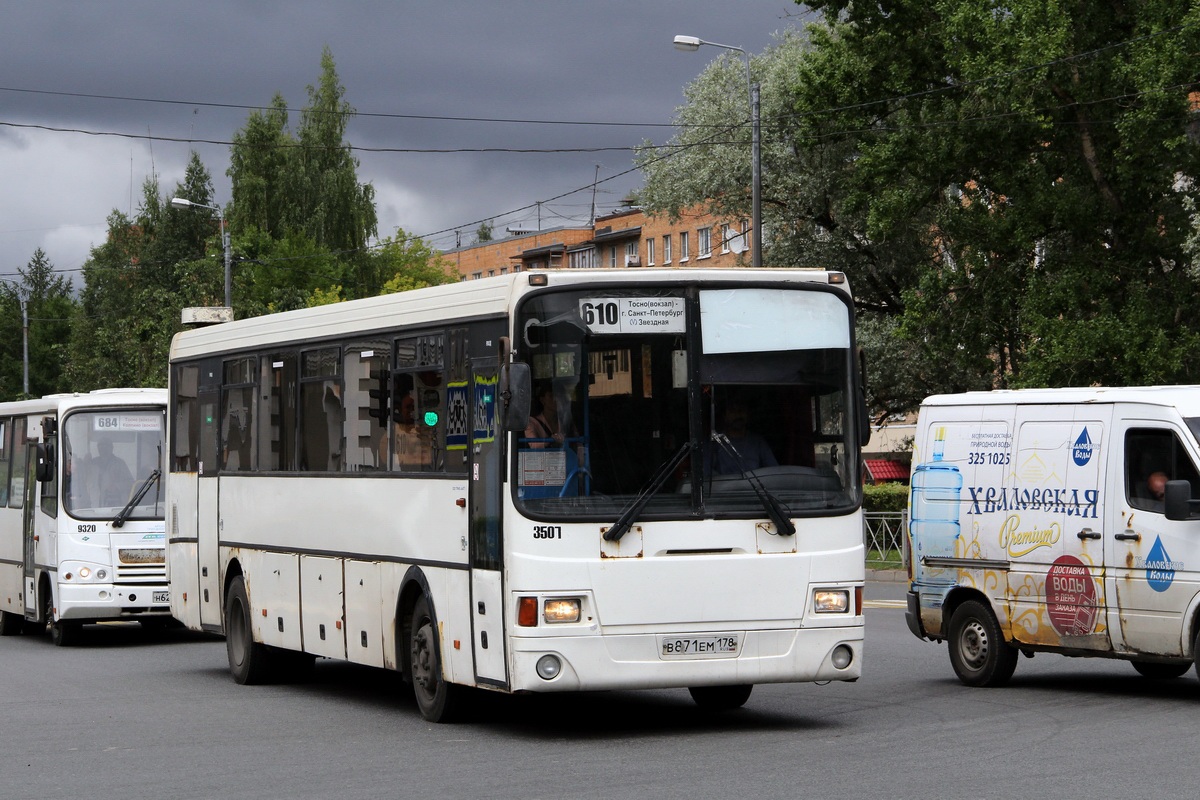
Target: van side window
x=1152 y=457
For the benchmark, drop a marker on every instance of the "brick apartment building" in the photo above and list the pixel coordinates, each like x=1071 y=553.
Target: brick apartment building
x=629 y=238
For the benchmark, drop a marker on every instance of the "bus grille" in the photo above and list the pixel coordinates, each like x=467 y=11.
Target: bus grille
x=142 y=565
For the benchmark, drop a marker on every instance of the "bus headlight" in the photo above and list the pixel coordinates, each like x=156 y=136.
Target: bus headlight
x=831 y=601
x=561 y=610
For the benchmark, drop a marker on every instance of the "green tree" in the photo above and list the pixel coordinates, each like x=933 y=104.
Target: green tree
x=138 y=281
x=298 y=208
x=1005 y=183
x=48 y=308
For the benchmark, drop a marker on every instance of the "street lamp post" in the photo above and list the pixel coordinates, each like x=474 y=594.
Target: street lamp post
x=180 y=202
x=690 y=44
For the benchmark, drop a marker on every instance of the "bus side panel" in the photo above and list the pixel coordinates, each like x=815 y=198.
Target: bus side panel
x=321 y=613
x=364 y=613
x=273 y=587
x=182 y=557
x=11 y=561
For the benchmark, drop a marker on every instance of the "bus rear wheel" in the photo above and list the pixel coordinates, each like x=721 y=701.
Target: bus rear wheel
x=978 y=652
x=249 y=661
x=721 y=698
x=437 y=700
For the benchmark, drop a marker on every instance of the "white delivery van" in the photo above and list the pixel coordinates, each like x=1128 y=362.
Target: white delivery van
x=1057 y=520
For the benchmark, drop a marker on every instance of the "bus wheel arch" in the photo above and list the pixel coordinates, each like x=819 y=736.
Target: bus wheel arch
x=419 y=647
x=63 y=633
x=249 y=661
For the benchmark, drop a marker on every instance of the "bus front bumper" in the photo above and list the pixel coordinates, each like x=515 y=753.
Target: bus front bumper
x=103 y=601
x=635 y=661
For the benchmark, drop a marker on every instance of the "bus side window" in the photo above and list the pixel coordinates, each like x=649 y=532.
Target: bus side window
x=237 y=415
x=5 y=458
x=16 y=492
x=322 y=414
x=186 y=428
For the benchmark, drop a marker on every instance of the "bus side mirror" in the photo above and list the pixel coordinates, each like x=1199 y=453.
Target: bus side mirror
x=1178 y=502
x=516 y=392
x=44 y=471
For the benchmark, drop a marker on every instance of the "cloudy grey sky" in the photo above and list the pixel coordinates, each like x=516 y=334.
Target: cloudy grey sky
x=84 y=83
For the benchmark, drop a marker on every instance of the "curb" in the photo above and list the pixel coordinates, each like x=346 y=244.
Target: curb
x=887 y=575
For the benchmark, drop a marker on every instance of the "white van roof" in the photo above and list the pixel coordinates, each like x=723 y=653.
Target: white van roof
x=1185 y=398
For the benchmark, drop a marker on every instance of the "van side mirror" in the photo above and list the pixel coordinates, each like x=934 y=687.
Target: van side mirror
x=44 y=470
x=1178 y=502
x=516 y=394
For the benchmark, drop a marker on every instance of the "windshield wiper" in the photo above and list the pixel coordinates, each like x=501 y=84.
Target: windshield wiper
x=775 y=510
x=626 y=520
x=119 y=519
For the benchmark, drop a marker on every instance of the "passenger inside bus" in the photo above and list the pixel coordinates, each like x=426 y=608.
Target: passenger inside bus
x=752 y=449
x=109 y=478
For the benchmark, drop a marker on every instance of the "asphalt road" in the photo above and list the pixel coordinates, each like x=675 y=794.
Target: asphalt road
x=131 y=714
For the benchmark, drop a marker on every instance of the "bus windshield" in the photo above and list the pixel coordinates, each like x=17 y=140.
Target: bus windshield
x=108 y=458
x=704 y=398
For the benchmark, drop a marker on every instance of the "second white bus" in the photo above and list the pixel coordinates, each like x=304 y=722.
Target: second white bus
x=536 y=482
x=82 y=536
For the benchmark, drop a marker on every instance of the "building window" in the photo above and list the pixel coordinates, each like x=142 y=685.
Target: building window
x=631 y=254
x=683 y=246
x=726 y=232
x=704 y=243
x=476 y=276
x=667 y=249
x=612 y=256
x=582 y=259
x=650 y=252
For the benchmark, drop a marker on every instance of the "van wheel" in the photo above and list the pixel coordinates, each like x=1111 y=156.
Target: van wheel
x=1159 y=671
x=249 y=661
x=438 y=700
x=721 y=698
x=978 y=652
x=11 y=624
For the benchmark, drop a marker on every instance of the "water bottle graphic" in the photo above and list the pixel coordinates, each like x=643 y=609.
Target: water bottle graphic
x=936 y=489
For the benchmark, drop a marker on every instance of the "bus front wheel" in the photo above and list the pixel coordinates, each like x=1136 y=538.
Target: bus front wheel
x=721 y=698
x=62 y=632
x=437 y=700
x=248 y=659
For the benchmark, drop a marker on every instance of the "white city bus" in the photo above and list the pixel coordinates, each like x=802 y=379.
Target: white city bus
x=366 y=481
x=82 y=536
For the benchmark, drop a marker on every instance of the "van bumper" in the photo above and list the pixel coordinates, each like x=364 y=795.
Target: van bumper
x=912 y=615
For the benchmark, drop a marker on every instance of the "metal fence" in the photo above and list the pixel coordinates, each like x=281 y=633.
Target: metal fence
x=883 y=534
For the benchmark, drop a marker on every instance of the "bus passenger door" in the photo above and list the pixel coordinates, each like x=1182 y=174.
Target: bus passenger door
x=28 y=535
x=487 y=593
x=207 y=550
